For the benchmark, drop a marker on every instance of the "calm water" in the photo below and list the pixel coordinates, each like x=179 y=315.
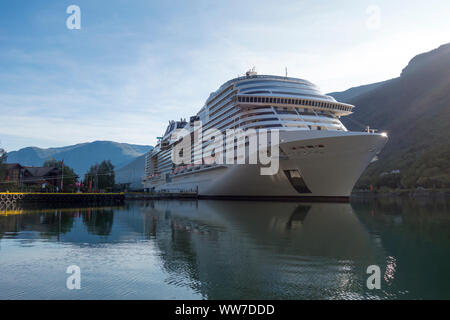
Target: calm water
x=228 y=250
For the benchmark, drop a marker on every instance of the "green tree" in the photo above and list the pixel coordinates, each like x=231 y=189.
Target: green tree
x=101 y=175
x=69 y=176
x=2 y=168
x=99 y=221
x=51 y=163
x=2 y=161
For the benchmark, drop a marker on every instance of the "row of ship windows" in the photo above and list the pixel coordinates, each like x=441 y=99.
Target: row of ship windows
x=161 y=168
x=299 y=125
x=218 y=101
x=302 y=112
x=314 y=119
x=293 y=101
x=219 y=95
x=239 y=120
x=282 y=82
x=279 y=110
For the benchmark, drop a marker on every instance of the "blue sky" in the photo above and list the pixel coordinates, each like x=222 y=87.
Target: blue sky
x=134 y=65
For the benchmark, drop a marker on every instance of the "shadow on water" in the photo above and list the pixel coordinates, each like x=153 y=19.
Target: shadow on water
x=237 y=249
x=263 y=250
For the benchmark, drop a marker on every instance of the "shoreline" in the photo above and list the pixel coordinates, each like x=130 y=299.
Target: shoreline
x=407 y=193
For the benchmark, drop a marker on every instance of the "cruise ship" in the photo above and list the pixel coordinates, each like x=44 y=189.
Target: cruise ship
x=318 y=157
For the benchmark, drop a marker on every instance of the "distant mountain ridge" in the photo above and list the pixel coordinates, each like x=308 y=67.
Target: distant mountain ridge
x=415 y=111
x=81 y=156
x=354 y=92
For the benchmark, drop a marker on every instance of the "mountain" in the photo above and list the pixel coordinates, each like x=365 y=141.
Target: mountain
x=352 y=93
x=131 y=173
x=81 y=156
x=415 y=111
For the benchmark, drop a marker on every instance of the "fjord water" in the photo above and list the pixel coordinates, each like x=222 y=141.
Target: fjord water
x=229 y=250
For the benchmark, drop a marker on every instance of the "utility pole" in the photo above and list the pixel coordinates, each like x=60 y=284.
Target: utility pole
x=96 y=179
x=62 y=175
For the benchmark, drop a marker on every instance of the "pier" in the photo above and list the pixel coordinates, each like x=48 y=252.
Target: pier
x=13 y=199
x=161 y=195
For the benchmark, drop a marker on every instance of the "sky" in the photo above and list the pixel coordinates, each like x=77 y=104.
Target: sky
x=134 y=65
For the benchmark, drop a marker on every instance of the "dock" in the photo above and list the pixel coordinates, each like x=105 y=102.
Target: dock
x=160 y=195
x=12 y=199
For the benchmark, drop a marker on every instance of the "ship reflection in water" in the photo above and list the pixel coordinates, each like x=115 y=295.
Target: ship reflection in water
x=228 y=250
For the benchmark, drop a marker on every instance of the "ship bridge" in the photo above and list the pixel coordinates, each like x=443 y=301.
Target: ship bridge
x=267 y=101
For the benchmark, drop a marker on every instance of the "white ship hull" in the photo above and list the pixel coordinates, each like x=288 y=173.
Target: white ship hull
x=329 y=163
